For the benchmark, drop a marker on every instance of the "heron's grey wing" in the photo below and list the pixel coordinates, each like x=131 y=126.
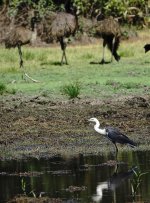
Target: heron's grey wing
x=116 y=136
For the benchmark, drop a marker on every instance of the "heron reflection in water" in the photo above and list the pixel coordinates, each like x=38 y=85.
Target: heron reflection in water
x=112 y=183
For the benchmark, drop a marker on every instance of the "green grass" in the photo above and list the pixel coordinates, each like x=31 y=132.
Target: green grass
x=129 y=76
x=2 y=88
x=5 y=90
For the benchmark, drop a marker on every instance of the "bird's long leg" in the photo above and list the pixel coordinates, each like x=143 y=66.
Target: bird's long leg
x=21 y=66
x=20 y=54
x=21 y=60
x=65 y=56
x=116 y=167
x=63 y=47
x=112 y=51
x=62 y=57
x=103 y=54
x=116 y=150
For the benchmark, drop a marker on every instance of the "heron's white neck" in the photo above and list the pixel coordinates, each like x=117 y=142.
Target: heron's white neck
x=97 y=129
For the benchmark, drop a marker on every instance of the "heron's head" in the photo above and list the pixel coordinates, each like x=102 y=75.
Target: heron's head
x=93 y=120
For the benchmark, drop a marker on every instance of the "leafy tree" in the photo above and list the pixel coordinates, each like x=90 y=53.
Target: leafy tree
x=40 y=5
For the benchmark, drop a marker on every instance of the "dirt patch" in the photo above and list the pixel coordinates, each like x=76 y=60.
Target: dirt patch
x=38 y=127
x=25 y=199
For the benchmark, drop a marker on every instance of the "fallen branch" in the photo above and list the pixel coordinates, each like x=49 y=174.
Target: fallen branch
x=30 y=78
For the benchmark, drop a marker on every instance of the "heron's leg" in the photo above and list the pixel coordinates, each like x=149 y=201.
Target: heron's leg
x=20 y=55
x=116 y=150
x=116 y=167
x=103 y=53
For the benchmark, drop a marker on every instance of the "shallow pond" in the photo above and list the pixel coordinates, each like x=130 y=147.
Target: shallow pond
x=83 y=179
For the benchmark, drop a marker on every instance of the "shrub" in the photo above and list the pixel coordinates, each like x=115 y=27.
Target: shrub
x=12 y=91
x=2 y=88
x=72 y=90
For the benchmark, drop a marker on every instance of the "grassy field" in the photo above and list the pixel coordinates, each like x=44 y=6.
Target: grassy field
x=130 y=76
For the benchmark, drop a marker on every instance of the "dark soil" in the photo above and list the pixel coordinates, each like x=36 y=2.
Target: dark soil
x=25 y=199
x=38 y=127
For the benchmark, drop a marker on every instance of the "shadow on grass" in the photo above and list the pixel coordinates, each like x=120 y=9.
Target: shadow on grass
x=101 y=63
x=55 y=63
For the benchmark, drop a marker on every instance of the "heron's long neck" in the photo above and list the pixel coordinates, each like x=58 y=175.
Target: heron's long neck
x=101 y=131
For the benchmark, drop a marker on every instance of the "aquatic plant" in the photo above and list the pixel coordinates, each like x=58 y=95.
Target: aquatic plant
x=136 y=181
x=23 y=186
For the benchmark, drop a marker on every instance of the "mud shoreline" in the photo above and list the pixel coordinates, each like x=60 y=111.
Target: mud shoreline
x=40 y=128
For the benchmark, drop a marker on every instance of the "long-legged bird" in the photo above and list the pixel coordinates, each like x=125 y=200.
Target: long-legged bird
x=113 y=134
x=21 y=32
x=58 y=27
x=109 y=29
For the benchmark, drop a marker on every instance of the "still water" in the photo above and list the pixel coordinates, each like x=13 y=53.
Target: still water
x=85 y=179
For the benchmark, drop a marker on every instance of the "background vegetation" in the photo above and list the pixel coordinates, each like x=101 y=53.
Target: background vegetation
x=126 y=10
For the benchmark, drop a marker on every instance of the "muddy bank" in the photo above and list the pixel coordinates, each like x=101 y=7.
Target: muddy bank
x=38 y=127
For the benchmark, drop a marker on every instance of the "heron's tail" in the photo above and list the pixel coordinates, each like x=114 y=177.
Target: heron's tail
x=132 y=144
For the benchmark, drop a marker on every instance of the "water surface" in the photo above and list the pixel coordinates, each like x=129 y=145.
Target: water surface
x=85 y=179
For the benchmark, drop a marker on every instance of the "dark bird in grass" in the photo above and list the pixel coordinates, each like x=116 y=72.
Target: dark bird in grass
x=113 y=134
x=147 y=47
x=109 y=30
x=58 y=27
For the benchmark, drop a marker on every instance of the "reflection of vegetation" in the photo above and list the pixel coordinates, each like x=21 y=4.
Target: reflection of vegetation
x=24 y=189
x=23 y=186
x=136 y=181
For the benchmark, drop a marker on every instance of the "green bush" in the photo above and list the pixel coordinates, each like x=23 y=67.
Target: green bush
x=2 y=88
x=11 y=91
x=72 y=90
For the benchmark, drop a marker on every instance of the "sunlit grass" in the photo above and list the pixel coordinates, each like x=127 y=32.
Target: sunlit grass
x=131 y=74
